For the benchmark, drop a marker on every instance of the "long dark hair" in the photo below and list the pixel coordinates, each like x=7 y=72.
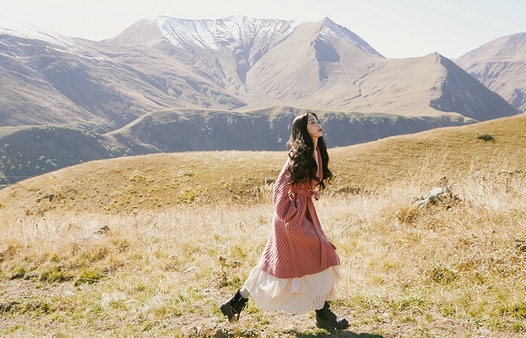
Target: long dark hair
x=303 y=167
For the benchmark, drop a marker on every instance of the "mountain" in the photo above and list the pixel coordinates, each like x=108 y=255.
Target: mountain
x=167 y=84
x=500 y=65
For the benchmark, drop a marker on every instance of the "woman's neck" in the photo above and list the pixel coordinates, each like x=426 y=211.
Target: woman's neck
x=315 y=142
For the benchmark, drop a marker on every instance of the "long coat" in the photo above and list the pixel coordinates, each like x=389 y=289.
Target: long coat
x=297 y=245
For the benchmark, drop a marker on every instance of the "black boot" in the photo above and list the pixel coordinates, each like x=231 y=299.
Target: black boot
x=232 y=308
x=326 y=319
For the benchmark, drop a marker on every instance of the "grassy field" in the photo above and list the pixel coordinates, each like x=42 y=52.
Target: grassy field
x=151 y=245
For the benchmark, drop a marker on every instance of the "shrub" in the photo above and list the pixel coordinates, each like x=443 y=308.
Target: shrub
x=486 y=137
x=89 y=276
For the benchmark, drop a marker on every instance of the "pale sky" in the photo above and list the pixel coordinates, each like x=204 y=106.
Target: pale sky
x=395 y=28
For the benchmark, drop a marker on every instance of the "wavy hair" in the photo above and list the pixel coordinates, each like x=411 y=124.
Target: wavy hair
x=303 y=167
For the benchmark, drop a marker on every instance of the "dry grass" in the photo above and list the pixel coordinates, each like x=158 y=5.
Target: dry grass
x=456 y=268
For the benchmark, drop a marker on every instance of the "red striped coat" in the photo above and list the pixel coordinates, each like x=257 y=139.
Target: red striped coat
x=297 y=245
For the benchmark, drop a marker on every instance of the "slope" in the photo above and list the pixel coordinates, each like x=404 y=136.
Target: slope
x=159 y=181
x=29 y=151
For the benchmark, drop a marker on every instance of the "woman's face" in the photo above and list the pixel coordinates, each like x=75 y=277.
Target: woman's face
x=314 y=127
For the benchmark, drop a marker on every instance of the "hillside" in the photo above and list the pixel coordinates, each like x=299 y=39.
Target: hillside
x=444 y=152
x=151 y=245
x=31 y=151
x=162 y=180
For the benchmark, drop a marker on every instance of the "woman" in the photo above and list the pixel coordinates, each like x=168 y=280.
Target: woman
x=298 y=270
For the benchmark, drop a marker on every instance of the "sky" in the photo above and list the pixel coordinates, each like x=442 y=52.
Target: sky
x=394 y=28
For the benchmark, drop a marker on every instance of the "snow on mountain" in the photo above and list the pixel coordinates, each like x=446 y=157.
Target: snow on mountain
x=24 y=30
x=331 y=28
x=53 y=41
x=227 y=32
x=238 y=31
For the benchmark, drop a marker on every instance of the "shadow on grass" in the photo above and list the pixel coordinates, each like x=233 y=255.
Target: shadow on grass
x=343 y=334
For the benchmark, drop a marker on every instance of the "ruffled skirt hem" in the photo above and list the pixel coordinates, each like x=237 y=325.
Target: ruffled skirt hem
x=293 y=295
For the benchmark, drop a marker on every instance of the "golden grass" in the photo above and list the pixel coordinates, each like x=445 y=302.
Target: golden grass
x=161 y=267
x=153 y=182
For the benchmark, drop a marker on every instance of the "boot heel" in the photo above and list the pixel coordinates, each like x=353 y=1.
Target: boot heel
x=233 y=307
x=326 y=319
x=226 y=309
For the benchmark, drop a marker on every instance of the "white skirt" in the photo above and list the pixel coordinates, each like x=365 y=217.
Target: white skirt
x=293 y=295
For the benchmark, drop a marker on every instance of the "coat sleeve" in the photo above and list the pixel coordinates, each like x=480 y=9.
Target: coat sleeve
x=283 y=198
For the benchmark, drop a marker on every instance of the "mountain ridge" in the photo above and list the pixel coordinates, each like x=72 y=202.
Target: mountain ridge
x=139 y=90
x=499 y=65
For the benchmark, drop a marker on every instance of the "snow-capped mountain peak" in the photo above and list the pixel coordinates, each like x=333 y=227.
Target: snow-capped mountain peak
x=226 y=32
